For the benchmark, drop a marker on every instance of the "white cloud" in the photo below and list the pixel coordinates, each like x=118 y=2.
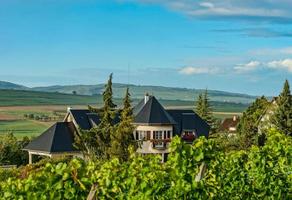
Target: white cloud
x=198 y=70
x=272 y=51
x=276 y=10
x=248 y=67
x=285 y=64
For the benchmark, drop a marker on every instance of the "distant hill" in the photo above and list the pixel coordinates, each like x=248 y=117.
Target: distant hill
x=8 y=85
x=33 y=98
x=137 y=91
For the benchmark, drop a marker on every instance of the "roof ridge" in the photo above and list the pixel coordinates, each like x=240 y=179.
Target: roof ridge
x=53 y=135
x=150 y=99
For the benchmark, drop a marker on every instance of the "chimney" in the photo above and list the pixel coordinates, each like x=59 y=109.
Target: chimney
x=146 y=98
x=68 y=109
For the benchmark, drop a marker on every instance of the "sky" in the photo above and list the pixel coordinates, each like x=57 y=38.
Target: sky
x=231 y=45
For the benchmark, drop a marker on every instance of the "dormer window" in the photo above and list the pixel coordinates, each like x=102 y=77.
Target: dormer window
x=189 y=136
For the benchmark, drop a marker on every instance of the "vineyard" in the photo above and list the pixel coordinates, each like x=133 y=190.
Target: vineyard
x=257 y=173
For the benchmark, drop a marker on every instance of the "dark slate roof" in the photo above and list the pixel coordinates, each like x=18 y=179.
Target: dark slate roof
x=93 y=119
x=57 y=139
x=188 y=120
x=151 y=113
x=84 y=118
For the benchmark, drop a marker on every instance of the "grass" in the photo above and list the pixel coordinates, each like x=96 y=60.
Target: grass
x=24 y=98
x=21 y=128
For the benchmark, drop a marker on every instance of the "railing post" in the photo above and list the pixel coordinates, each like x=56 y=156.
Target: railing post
x=29 y=158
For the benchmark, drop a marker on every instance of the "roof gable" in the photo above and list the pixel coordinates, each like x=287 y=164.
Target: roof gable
x=151 y=113
x=188 y=120
x=58 y=138
x=84 y=118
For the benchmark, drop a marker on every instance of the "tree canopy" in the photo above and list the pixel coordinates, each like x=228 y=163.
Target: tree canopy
x=109 y=138
x=282 y=118
x=204 y=109
x=248 y=125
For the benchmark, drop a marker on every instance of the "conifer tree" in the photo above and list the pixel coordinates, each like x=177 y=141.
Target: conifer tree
x=204 y=110
x=199 y=105
x=248 y=124
x=108 y=115
x=95 y=143
x=122 y=139
x=282 y=118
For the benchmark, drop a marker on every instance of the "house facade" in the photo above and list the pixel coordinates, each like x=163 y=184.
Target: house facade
x=155 y=126
x=229 y=125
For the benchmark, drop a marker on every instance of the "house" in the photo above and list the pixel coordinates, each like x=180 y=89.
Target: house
x=230 y=124
x=154 y=128
x=265 y=122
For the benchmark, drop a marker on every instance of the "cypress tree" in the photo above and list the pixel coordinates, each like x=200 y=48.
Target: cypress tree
x=108 y=115
x=204 y=110
x=109 y=106
x=282 y=118
x=122 y=138
x=95 y=143
x=199 y=105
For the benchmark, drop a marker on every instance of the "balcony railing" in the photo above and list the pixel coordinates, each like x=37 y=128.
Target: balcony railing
x=160 y=143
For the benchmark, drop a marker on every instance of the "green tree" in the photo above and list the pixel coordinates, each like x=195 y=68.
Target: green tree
x=95 y=143
x=11 y=152
x=199 y=105
x=282 y=117
x=204 y=110
x=122 y=139
x=248 y=124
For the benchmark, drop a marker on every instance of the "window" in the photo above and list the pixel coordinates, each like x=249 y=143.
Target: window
x=189 y=133
x=157 y=135
x=143 y=135
x=189 y=136
x=167 y=134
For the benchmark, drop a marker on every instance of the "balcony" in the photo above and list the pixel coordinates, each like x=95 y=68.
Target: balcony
x=160 y=143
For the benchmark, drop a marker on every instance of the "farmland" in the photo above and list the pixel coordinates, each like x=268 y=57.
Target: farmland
x=16 y=104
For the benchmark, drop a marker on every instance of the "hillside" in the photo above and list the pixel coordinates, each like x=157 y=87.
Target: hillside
x=137 y=92
x=8 y=85
x=33 y=98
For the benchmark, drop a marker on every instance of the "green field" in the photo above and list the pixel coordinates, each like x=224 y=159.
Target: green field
x=22 y=127
x=14 y=104
x=30 y=98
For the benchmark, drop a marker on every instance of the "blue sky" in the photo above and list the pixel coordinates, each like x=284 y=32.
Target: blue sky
x=237 y=46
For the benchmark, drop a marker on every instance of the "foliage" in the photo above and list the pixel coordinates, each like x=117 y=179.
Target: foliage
x=204 y=109
x=282 y=117
x=122 y=137
x=11 y=152
x=257 y=173
x=109 y=139
x=248 y=125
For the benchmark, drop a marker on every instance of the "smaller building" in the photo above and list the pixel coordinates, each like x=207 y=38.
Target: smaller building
x=230 y=124
x=54 y=142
